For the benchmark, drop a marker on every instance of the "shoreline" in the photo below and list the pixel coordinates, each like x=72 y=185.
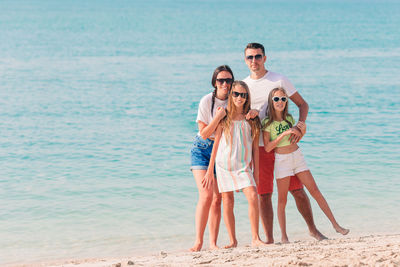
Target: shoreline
x=372 y=250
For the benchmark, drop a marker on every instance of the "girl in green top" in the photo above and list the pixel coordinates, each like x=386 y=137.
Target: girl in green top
x=289 y=161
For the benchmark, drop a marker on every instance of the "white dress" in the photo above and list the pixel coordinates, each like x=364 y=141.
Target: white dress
x=233 y=161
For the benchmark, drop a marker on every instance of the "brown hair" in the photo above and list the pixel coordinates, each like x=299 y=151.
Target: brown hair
x=214 y=80
x=271 y=114
x=255 y=46
x=231 y=111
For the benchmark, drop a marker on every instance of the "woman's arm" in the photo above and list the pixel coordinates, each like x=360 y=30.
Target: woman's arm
x=209 y=177
x=207 y=130
x=256 y=158
x=270 y=145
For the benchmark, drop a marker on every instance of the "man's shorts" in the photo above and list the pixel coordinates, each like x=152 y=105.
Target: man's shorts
x=266 y=179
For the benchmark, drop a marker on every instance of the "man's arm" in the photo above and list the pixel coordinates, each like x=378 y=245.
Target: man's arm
x=303 y=112
x=301 y=104
x=255 y=159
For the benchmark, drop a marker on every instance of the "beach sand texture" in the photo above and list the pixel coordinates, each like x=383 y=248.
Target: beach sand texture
x=374 y=250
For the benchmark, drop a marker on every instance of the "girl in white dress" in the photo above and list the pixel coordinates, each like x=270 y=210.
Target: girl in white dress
x=235 y=156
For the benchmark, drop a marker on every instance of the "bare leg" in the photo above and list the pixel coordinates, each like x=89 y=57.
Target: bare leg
x=304 y=207
x=229 y=218
x=267 y=216
x=202 y=209
x=283 y=189
x=308 y=180
x=252 y=198
x=214 y=217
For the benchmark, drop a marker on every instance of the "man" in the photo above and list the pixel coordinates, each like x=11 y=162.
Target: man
x=261 y=82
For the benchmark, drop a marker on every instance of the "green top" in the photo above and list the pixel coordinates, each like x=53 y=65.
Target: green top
x=276 y=128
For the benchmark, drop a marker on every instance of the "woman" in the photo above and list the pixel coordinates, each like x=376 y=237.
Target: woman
x=211 y=111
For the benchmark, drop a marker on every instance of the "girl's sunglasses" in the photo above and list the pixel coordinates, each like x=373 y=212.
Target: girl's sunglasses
x=242 y=95
x=277 y=98
x=227 y=81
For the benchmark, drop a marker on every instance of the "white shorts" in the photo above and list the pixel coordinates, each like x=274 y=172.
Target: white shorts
x=289 y=164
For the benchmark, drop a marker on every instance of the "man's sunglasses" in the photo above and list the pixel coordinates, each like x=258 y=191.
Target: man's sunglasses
x=277 y=98
x=242 y=95
x=257 y=57
x=227 y=81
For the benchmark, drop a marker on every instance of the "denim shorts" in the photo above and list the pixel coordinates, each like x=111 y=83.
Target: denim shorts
x=200 y=153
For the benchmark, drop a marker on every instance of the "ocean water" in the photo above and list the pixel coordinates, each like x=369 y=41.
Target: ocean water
x=98 y=101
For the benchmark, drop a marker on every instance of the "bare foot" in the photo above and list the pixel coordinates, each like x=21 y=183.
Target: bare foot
x=257 y=243
x=342 y=230
x=285 y=240
x=232 y=245
x=196 y=247
x=269 y=241
x=213 y=247
x=317 y=235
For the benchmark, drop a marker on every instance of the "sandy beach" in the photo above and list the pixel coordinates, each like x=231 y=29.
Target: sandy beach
x=374 y=250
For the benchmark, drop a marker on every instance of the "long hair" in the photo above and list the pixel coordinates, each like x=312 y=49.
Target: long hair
x=271 y=114
x=214 y=82
x=231 y=111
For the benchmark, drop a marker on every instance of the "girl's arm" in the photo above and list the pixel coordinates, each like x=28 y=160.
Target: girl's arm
x=270 y=145
x=207 y=130
x=209 y=177
x=252 y=114
x=256 y=158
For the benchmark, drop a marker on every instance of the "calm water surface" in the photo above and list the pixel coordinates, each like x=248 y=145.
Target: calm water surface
x=98 y=101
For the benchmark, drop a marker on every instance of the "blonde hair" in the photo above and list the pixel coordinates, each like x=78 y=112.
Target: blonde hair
x=231 y=111
x=271 y=114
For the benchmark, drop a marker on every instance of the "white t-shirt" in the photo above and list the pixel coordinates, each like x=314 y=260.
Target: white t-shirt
x=204 y=113
x=259 y=91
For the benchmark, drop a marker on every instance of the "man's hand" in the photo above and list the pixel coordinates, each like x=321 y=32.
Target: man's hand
x=295 y=135
x=256 y=177
x=301 y=125
x=252 y=114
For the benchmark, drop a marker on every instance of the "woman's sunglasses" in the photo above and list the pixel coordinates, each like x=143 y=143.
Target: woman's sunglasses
x=277 y=98
x=242 y=95
x=227 y=81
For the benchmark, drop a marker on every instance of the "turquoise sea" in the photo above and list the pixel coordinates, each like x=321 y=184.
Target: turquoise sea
x=98 y=101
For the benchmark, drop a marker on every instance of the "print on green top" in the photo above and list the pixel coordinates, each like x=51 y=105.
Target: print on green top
x=281 y=128
x=276 y=128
